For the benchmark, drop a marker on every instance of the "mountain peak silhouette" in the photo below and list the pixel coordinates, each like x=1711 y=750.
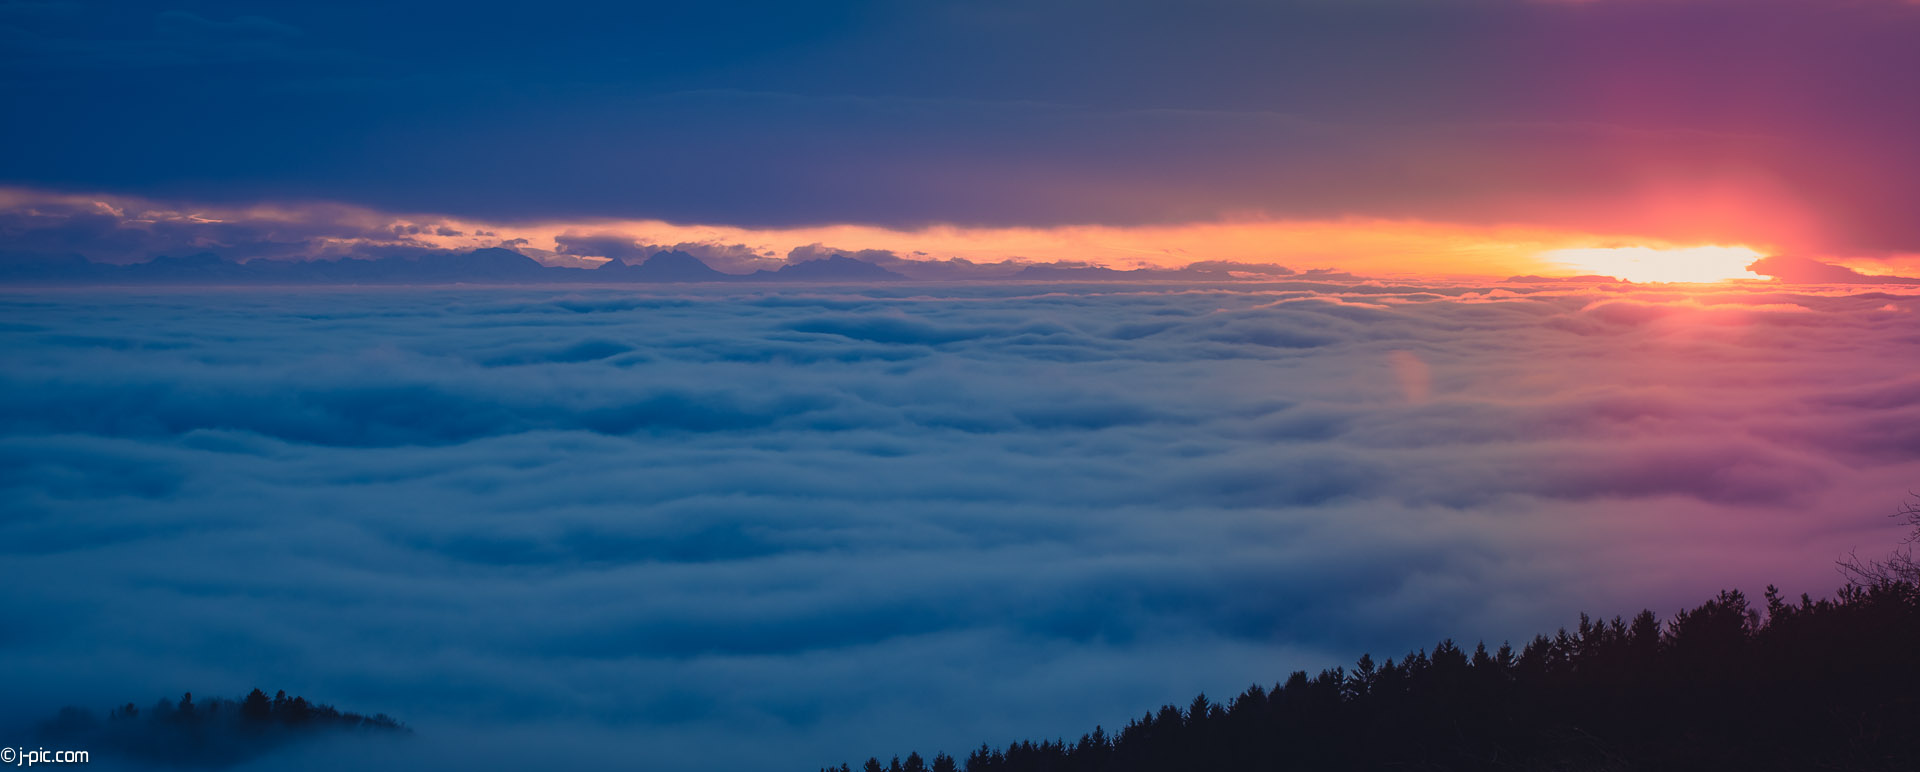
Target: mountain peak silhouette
x=830 y=268
x=664 y=266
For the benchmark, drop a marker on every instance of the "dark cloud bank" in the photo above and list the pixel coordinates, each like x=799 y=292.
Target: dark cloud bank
x=811 y=264
x=496 y=265
x=726 y=528
x=50 y=241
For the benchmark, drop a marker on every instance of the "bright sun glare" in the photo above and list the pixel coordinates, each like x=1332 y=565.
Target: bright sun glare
x=1647 y=264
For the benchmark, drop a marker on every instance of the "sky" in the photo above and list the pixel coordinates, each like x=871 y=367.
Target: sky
x=739 y=526
x=1402 y=137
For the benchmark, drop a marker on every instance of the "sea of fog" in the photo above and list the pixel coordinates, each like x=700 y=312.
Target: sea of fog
x=740 y=528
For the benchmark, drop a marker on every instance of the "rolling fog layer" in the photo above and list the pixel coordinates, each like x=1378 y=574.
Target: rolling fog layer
x=751 y=528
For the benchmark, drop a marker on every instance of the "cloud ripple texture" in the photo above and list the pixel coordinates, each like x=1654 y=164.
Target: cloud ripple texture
x=731 y=529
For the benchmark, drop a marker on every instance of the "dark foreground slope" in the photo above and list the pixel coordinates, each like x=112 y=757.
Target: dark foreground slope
x=1806 y=685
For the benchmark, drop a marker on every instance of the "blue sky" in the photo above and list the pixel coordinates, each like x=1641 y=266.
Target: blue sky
x=1736 y=116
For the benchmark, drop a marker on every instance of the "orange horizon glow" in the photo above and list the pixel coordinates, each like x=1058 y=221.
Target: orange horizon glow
x=1702 y=264
x=1383 y=248
x=1372 y=247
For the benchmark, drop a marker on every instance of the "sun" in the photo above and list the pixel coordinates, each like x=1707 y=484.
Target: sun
x=1651 y=264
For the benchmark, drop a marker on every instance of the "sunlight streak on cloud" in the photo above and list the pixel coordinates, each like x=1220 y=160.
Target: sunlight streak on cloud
x=1648 y=264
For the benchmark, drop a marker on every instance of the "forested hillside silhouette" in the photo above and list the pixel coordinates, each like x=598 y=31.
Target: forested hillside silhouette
x=1830 y=684
x=205 y=733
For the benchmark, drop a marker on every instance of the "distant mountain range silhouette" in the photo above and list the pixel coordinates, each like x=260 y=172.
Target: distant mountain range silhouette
x=492 y=265
x=663 y=267
x=497 y=265
x=833 y=268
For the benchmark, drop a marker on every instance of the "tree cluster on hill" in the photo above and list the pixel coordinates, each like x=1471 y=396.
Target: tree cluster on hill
x=1808 y=684
x=208 y=733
